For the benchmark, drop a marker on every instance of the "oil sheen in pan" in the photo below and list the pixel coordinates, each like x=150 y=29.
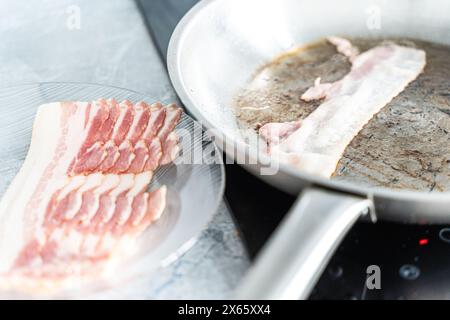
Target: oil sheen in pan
x=406 y=145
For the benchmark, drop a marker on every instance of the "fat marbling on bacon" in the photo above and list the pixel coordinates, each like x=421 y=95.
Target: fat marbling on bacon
x=376 y=77
x=80 y=199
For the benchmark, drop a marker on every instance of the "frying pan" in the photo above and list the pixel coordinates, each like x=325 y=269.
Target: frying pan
x=213 y=53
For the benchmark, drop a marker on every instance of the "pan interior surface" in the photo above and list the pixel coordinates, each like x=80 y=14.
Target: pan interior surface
x=220 y=44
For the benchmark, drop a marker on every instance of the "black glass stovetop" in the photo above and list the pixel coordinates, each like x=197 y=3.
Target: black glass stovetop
x=414 y=260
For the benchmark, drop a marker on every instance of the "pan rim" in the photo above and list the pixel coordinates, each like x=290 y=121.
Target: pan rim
x=176 y=45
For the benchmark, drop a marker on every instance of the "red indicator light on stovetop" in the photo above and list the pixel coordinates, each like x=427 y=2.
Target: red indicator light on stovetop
x=423 y=242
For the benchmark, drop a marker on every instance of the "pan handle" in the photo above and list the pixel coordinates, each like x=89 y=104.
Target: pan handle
x=293 y=259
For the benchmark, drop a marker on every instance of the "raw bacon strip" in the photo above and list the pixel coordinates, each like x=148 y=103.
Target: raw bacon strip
x=170 y=148
x=98 y=114
x=67 y=215
x=92 y=182
x=140 y=184
x=109 y=124
x=135 y=225
x=89 y=205
x=91 y=201
x=156 y=204
x=98 y=152
x=67 y=205
x=125 y=159
x=69 y=242
x=128 y=206
x=173 y=115
x=123 y=209
x=155 y=153
x=67 y=201
x=96 y=204
x=125 y=206
x=140 y=121
x=376 y=77
x=123 y=122
x=66 y=241
x=140 y=205
x=110 y=182
x=158 y=122
x=112 y=155
x=162 y=148
x=141 y=153
x=107 y=207
x=61 y=196
x=91 y=159
x=155 y=122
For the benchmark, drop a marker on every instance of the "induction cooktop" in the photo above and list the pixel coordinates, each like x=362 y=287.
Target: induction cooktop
x=413 y=260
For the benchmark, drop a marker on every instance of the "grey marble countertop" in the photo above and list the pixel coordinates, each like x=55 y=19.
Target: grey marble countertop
x=106 y=42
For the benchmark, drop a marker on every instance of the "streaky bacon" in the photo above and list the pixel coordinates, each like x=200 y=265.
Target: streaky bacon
x=86 y=200
x=141 y=152
x=169 y=142
x=123 y=122
x=112 y=155
x=98 y=114
x=140 y=121
x=155 y=122
x=155 y=153
x=126 y=157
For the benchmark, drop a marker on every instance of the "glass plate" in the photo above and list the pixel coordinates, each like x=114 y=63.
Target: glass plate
x=195 y=188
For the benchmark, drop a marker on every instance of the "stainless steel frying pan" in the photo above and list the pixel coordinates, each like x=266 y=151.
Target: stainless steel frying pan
x=214 y=51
